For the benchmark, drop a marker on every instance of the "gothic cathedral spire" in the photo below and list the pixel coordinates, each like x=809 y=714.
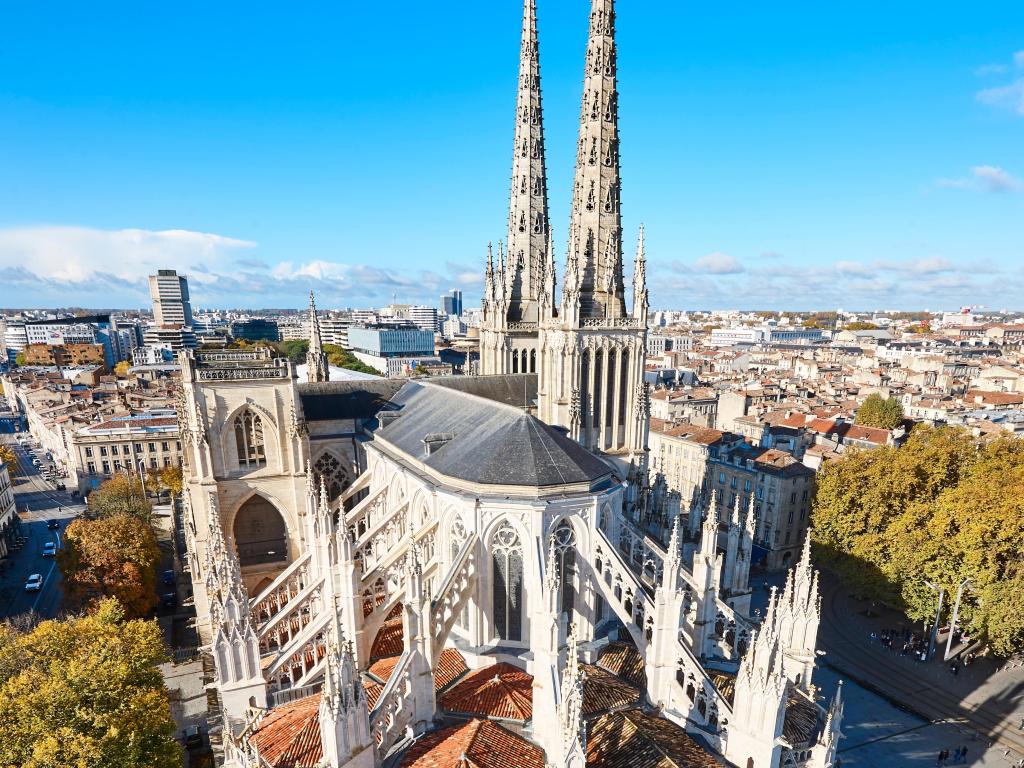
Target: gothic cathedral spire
x=316 y=359
x=528 y=228
x=595 y=230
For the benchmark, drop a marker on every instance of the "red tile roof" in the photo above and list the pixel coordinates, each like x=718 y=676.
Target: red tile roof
x=389 y=640
x=635 y=739
x=373 y=692
x=501 y=691
x=289 y=736
x=451 y=665
x=603 y=691
x=477 y=744
x=624 y=660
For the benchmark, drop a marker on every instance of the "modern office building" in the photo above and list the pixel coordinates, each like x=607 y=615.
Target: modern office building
x=255 y=329
x=451 y=302
x=169 y=292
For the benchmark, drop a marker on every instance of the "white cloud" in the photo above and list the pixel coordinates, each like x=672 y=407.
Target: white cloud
x=79 y=254
x=718 y=264
x=1009 y=96
x=985 y=178
x=990 y=69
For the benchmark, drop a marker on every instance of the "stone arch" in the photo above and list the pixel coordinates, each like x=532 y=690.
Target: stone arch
x=260 y=533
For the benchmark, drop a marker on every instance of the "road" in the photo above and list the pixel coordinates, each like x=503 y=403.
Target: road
x=38 y=502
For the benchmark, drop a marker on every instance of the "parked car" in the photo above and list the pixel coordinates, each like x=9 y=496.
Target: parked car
x=169 y=599
x=49 y=549
x=168 y=578
x=34 y=583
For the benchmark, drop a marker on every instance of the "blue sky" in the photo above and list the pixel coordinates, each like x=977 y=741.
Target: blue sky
x=781 y=155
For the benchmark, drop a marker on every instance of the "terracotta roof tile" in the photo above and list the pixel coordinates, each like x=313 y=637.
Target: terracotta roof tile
x=801 y=721
x=451 y=665
x=373 y=691
x=624 y=660
x=603 y=691
x=477 y=744
x=501 y=691
x=289 y=736
x=389 y=640
x=635 y=739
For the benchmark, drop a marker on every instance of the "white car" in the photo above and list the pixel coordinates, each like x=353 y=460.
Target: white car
x=50 y=549
x=34 y=583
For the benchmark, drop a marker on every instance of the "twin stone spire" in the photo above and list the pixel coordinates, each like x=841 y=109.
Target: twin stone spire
x=523 y=285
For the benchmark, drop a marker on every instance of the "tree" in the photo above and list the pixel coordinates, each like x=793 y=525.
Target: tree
x=940 y=509
x=170 y=479
x=10 y=458
x=85 y=693
x=112 y=556
x=19 y=359
x=860 y=326
x=121 y=494
x=121 y=369
x=294 y=349
x=342 y=358
x=877 y=411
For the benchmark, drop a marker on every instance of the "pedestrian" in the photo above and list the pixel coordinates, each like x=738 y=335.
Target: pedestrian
x=953 y=668
x=1021 y=726
x=957 y=754
x=963 y=754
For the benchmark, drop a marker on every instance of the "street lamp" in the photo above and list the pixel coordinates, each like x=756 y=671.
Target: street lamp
x=935 y=625
x=142 y=476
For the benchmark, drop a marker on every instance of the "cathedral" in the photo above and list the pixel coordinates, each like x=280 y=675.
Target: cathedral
x=461 y=571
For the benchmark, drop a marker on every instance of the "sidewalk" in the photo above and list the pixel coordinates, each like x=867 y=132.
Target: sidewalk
x=984 y=696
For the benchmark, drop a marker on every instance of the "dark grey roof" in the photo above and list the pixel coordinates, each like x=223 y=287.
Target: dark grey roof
x=518 y=389
x=359 y=399
x=481 y=441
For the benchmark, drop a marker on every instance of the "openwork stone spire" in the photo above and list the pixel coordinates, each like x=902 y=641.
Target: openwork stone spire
x=595 y=232
x=528 y=230
x=316 y=358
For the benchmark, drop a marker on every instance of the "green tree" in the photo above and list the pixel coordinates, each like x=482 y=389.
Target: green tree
x=85 y=693
x=19 y=359
x=122 y=494
x=112 y=556
x=860 y=326
x=294 y=349
x=877 y=411
x=939 y=509
x=342 y=358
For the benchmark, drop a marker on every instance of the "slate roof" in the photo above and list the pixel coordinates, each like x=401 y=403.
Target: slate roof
x=331 y=400
x=477 y=744
x=635 y=739
x=515 y=389
x=487 y=443
x=289 y=736
x=500 y=691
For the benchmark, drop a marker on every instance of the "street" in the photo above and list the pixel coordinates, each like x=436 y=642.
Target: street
x=37 y=502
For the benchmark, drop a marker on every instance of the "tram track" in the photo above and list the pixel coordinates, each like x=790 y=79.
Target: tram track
x=848 y=656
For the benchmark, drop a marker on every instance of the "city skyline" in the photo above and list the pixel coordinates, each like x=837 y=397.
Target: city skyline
x=778 y=162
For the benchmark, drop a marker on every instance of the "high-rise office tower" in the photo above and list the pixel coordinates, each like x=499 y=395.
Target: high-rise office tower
x=169 y=292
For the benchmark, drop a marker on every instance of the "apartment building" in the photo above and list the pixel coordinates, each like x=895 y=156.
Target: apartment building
x=125 y=444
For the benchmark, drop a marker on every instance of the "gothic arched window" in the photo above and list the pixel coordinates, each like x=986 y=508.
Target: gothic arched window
x=329 y=469
x=564 y=542
x=252 y=451
x=507 y=562
x=458 y=540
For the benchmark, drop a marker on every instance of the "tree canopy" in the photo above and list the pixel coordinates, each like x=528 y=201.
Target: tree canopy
x=860 y=325
x=85 y=693
x=121 y=494
x=942 y=509
x=877 y=411
x=111 y=556
x=10 y=458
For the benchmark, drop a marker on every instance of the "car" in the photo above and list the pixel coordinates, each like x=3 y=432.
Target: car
x=168 y=599
x=49 y=549
x=168 y=578
x=53 y=524
x=34 y=583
